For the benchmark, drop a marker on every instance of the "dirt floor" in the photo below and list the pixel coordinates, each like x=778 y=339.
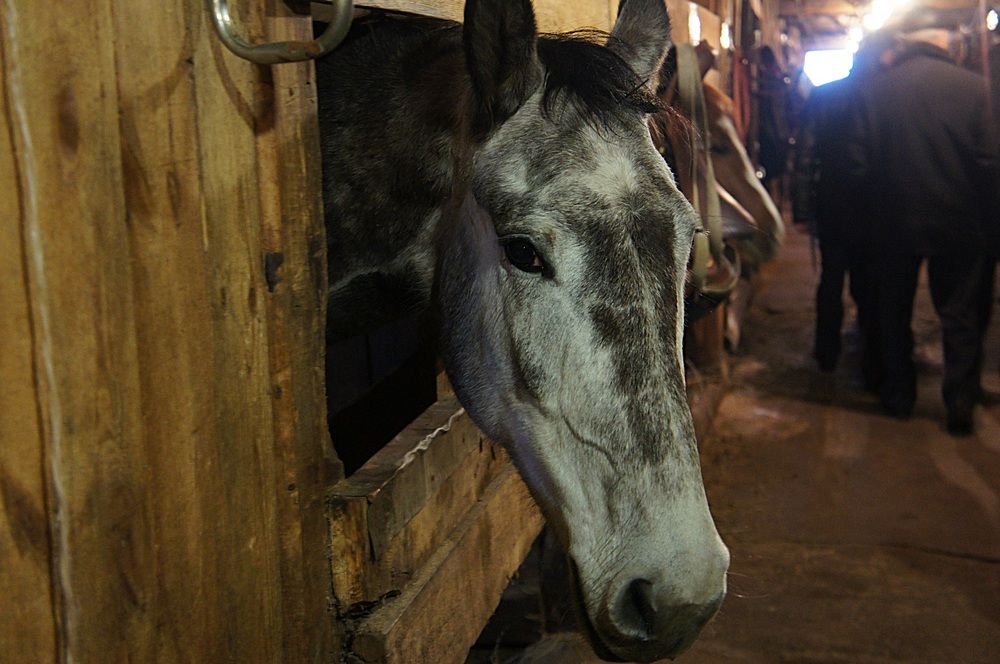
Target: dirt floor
x=854 y=537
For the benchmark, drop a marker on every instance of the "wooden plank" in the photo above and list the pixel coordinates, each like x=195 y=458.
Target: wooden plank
x=447 y=9
x=845 y=7
x=563 y=15
x=361 y=576
x=420 y=538
x=25 y=550
x=551 y=15
x=174 y=301
x=390 y=516
x=59 y=78
x=398 y=479
x=188 y=114
x=441 y=612
x=294 y=255
x=66 y=138
x=813 y=7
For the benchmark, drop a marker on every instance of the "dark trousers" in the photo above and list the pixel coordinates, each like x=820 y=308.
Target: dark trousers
x=842 y=260
x=987 y=294
x=956 y=283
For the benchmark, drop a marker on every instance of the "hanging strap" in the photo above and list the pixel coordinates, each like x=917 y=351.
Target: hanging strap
x=709 y=250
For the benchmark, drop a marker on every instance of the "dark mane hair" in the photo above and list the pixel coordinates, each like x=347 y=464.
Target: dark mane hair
x=580 y=68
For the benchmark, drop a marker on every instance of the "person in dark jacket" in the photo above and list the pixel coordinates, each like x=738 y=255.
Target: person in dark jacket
x=774 y=97
x=924 y=157
x=826 y=202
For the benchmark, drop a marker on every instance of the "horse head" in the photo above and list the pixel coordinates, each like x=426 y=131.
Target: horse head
x=751 y=221
x=561 y=291
x=737 y=176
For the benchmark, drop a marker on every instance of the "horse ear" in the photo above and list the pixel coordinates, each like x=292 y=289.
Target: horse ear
x=501 y=55
x=641 y=36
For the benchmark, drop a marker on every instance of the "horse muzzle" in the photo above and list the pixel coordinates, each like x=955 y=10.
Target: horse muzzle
x=645 y=618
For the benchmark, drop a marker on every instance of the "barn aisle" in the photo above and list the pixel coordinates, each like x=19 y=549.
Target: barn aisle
x=855 y=537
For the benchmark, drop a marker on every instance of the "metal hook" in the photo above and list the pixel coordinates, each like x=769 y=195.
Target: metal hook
x=286 y=51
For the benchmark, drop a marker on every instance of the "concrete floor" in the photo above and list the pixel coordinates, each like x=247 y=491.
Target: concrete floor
x=854 y=537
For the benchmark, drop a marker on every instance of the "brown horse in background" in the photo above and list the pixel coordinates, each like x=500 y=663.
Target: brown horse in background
x=751 y=222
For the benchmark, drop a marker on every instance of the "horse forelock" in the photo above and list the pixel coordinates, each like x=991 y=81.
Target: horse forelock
x=581 y=70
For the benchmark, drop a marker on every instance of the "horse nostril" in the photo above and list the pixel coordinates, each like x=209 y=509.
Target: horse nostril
x=637 y=609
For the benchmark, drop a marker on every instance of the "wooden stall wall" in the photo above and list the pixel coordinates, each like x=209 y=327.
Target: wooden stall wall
x=163 y=458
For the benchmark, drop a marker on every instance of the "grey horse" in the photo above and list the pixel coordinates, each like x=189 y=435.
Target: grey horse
x=505 y=184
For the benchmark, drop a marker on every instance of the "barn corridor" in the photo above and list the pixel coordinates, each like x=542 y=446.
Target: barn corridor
x=854 y=537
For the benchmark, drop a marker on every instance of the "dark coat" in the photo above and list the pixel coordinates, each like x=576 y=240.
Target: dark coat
x=923 y=156
x=824 y=198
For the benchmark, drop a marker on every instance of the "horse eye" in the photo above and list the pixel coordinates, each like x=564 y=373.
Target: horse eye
x=523 y=256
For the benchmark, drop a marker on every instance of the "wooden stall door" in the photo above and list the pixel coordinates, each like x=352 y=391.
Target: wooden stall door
x=163 y=448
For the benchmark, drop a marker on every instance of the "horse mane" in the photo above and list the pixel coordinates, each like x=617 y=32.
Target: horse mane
x=580 y=68
x=669 y=126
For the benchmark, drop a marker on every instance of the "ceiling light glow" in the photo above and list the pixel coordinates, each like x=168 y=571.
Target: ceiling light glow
x=694 y=23
x=880 y=11
x=827 y=65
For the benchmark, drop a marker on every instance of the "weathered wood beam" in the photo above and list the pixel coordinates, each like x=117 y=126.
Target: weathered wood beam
x=439 y=615
x=551 y=15
x=835 y=7
x=391 y=515
x=814 y=7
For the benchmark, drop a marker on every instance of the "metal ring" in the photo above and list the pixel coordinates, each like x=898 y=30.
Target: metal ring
x=286 y=51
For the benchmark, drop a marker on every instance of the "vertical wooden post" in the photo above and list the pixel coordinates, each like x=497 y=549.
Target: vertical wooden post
x=164 y=449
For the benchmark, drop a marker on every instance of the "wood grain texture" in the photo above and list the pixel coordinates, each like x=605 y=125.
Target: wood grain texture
x=551 y=15
x=82 y=309
x=390 y=517
x=25 y=546
x=439 y=615
x=294 y=256
x=400 y=478
x=189 y=156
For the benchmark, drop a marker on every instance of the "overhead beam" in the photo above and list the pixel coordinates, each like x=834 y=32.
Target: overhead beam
x=814 y=7
x=834 y=7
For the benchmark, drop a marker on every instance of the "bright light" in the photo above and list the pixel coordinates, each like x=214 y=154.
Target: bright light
x=726 y=40
x=854 y=37
x=880 y=11
x=694 y=23
x=828 y=65
x=992 y=19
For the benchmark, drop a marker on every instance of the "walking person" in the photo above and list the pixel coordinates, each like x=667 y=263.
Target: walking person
x=774 y=121
x=924 y=158
x=826 y=202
